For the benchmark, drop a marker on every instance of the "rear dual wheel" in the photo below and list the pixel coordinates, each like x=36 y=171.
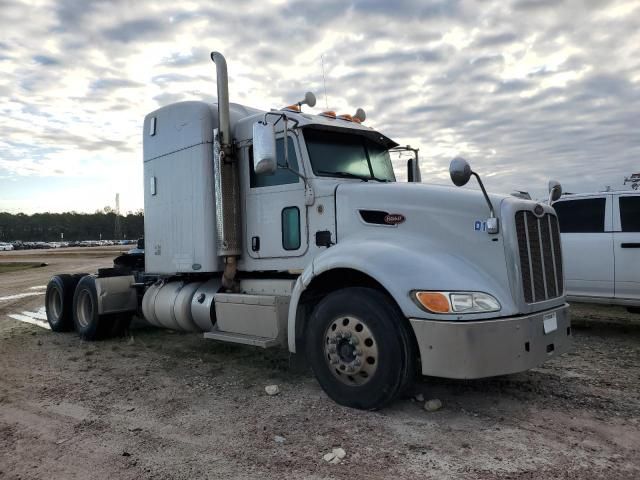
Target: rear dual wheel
x=58 y=301
x=359 y=348
x=71 y=301
x=88 y=323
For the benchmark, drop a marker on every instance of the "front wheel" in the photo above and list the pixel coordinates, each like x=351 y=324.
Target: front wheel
x=359 y=349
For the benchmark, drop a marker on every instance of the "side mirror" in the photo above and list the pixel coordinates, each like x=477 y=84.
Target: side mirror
x=264 y=149
x=460 y=171
x=555 y=191
x=413 y=171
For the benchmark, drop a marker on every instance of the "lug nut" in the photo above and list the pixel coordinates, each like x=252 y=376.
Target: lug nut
x=347 y=334
x=358 y=352
x=354 y=341
x=332 y=349
x=334 y=361
x=357 y=362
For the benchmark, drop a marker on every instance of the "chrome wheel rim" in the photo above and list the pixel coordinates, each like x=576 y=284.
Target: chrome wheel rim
x=54 y=303
x=350 y=350
x=85 y=308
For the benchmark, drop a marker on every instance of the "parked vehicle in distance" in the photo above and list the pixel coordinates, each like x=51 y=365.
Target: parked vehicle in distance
x=601 y=247
x=5 y=246
x=138 y=249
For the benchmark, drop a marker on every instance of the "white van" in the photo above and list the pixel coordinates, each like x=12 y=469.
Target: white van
x=601 y=247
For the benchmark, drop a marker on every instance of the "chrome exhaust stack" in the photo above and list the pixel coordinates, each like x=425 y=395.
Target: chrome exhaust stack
x=226 y=180
x=222 y=81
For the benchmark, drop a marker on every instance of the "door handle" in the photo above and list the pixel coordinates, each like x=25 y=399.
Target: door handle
x=630 y=245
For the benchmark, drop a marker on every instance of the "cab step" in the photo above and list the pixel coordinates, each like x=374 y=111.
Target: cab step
x=263 y=342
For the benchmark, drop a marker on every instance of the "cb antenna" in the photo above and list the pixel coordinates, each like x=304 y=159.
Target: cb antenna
x=324 y=83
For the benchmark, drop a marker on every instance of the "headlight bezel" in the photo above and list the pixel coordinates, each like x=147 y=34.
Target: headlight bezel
x=432 y=301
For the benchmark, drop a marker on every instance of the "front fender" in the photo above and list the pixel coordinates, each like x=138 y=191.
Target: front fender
x=401 y=269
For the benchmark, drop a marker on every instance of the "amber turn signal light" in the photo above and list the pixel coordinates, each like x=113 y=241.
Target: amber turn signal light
x=435 y=302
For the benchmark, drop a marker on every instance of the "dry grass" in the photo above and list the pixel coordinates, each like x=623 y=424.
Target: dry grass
x=15 y=266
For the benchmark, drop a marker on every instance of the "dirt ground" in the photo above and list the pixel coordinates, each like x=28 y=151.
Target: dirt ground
x=169 y=405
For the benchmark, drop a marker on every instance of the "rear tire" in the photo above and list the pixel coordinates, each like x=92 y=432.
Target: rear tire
x=86 y=320
x=633 y=309
x=359 y=349
x=58 y=301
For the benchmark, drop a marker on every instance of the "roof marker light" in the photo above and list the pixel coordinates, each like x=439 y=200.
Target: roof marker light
x=329 y=114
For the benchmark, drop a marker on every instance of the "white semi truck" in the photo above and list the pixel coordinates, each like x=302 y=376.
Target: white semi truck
x=288 y=229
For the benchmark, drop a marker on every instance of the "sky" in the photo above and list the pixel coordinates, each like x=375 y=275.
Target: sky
x=525 y=90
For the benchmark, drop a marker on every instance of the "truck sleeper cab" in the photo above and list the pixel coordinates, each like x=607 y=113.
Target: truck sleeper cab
x=285 y=228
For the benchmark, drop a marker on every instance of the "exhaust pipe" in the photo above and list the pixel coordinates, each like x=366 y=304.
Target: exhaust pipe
x=226 y=181
x=222 y=81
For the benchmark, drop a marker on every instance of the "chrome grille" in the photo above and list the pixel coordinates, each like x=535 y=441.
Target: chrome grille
x=540 y=257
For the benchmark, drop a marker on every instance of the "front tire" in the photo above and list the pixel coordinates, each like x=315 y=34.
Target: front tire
x=359 y=349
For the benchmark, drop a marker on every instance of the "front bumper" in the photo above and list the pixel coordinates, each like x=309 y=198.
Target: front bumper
x=486 y=348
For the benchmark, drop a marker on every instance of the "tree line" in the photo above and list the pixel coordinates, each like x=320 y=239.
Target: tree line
x=70 y=226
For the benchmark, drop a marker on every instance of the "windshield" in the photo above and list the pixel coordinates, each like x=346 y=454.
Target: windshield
x=336 y=154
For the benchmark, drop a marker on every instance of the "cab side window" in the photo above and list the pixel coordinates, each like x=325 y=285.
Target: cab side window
x=291 y=228
x=630 y=214
x=281 y=176
x=581 y=215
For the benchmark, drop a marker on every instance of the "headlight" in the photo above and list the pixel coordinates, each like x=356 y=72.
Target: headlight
x=457 y=302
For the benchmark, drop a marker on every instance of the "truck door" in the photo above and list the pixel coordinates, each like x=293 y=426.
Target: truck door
x=587 y=245
x=276 y=211
x=626 y=245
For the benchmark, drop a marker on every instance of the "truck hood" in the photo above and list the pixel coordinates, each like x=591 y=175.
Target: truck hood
x=429 y=210
x=441 y=229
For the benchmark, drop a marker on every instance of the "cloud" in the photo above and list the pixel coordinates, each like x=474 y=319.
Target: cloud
x=45 y=60
x=139 y=29
x=411 y=57
x=529 y=5
x=527 y=90
x=495 y=40
x=110 y=84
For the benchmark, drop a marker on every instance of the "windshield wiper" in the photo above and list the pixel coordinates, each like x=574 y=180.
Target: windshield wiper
x=352 y=175
x=383 y=180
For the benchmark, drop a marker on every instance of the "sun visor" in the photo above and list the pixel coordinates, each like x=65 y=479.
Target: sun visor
x=363 y=132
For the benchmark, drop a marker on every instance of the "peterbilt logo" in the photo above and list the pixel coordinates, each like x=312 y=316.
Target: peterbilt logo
x=393 y=218
x=538 y=210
